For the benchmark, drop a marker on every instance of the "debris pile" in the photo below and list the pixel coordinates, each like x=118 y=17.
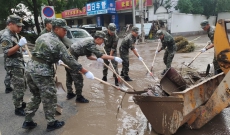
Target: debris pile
x=154 y=90
x=183 y=46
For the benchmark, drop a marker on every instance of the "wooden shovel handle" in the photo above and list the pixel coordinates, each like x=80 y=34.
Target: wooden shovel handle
x=106 y=83
x=94 y=78
x=113 y=70
x=146 y=67
x=197 y=55
x=155 y=54
x=27 y=49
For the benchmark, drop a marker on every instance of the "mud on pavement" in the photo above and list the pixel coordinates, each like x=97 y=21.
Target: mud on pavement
x=99 y=115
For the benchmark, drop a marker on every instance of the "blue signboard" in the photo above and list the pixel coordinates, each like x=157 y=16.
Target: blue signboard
x=101 y=7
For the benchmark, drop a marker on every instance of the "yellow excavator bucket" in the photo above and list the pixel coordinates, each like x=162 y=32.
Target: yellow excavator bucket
x=221 y=45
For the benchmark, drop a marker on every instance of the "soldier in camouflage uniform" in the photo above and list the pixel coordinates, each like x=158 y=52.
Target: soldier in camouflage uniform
x=167 y=41
x=128 y=42
x=7 y=77
x=86 y=47
x=39 y=73
x=210 y=30
x=13 y=58
x=111 y=49
x=48 y=26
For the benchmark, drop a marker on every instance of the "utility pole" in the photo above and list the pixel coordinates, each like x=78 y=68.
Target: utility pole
x=134 y=13
x=142 y=20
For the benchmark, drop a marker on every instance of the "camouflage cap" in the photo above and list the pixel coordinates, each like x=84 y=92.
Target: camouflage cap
x=15 y=19
x=48 y=20
x=204 y=23
x=135 y=29
x=159 y=32
x=112 y=27
x=59 y=23
x=100 y=34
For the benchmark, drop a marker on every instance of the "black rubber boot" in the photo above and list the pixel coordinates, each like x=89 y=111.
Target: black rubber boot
x=70 y=96
x=81 y=99
x=8 y=90
x=20 y=112
x=127 y=78
x=57 y=124
x=29 y=125
x=23 y=105
x=122 y=74
x=116 y=81
x=104 y=78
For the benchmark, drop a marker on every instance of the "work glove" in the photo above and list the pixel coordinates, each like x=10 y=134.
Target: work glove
x=156 y=52
x=89 y=75
x=22 y=42
x=203 y=50
x=140 y=58
x=100 y=60
x=60 y=62
x=117 y=59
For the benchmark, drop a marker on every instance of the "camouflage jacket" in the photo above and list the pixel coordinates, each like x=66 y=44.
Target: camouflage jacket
x=168 y=42
x=50 y=49
x=84 y=47
x=111 y=42
x=128 y=42
x=1 y=32
x=211 y=32
x=44 y=31
x=7 y=41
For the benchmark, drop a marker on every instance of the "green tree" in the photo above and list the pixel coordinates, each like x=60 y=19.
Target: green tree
x=185 y=6
x=205 y=7
x=198 y=7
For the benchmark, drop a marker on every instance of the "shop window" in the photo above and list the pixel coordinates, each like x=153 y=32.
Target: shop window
x=89 y=21
x=79 y=22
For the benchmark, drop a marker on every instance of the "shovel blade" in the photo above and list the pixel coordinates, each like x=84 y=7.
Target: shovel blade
x=59 y=87
x=123 y=87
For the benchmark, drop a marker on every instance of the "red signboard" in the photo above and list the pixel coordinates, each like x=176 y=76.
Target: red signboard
x=127 y=4
x=73 y=12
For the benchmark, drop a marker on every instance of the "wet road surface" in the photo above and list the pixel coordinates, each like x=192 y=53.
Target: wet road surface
x=98 y=117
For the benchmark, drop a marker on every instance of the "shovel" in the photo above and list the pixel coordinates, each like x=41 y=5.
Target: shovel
x=112 y=66
x=58 y=85
x=196 y=56
x=118 y=76
x=120 y=83
x=154 y=57
x=122 y=89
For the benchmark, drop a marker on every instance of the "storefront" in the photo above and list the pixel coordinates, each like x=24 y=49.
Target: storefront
x=124 y=11
x=76 y=17
x=104 y=12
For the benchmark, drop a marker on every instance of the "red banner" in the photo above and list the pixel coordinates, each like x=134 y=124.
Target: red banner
x=127 y=4
x=73 y=12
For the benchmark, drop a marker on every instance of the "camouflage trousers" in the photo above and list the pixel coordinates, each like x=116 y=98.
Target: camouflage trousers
x=168 y=57
x=17 y=80
x=105 y=70
x=75 y=77
x=7 y=79
x=43 y=90
x=125 y=64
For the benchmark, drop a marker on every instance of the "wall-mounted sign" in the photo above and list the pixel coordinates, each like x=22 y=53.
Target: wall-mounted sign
x=73 y=12
x=100 y=7
x=127 y=4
